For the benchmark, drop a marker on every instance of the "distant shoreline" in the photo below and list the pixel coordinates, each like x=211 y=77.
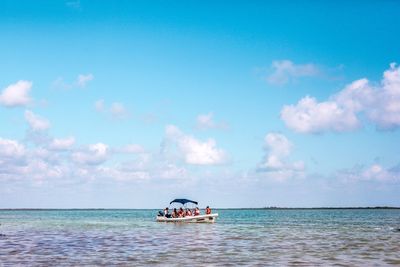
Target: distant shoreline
x=265 y=208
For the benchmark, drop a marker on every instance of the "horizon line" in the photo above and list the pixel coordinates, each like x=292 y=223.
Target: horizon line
x=259 y=208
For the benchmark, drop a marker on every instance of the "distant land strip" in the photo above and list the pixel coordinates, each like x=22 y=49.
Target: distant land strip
x=264 y=208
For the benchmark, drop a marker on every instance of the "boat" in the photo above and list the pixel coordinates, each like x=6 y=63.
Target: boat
x=205 y=218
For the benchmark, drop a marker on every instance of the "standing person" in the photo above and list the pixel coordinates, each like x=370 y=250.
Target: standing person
x=208 y=210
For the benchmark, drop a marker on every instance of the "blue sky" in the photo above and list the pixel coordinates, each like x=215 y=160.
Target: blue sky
x=129 y=104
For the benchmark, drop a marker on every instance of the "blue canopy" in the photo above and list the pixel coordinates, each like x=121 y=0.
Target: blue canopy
x=183 y=201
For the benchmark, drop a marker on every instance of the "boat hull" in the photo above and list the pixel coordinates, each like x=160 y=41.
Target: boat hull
x=210 y=218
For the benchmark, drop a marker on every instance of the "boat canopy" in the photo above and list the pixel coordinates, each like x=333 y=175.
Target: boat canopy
x=183 y=201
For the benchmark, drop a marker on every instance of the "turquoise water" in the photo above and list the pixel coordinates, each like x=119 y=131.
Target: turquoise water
x=355 y=237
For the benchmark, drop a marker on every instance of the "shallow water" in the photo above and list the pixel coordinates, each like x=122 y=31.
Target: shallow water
x=239 y=237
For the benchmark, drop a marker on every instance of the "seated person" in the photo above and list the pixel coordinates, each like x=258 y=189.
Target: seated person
x=181 y=213
x=175 y=214
x=196 y=211
x=188 y=212
x=208 y=210
x=166 y=213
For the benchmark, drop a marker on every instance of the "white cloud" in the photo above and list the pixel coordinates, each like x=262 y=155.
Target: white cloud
x=16 y=94
x=11 y=149
x=372 y=173
x=171 y=171
x=277 y=144
x=194 y=151
x=130 y=149
x=117 y=110
x=59 y=83
x=378 y=173
x=309 y=116
x=36 y=123
x=94 y=155
x=146 y=166
x=149 y=167
x=284 y=71
x=143 y=162
x=56 y=160
x=121 y=175
x=82 y=79
x=32 y=169
x=206 y=121
x=62 y=143
x=18 y=163
x=277 y=148
x=384 y=109
x=380 y=103
x=40 y=170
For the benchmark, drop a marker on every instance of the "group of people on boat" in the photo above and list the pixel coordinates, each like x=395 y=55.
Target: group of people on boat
x=181 y=213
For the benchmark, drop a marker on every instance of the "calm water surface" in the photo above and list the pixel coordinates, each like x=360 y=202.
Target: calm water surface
x=240 y=237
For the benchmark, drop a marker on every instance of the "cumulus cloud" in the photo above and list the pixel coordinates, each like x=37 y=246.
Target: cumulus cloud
x=284 y=71
x=40 y=170
x=372 y=173
x=94 y=154
x=130 y=149
x=309 y=116
x=18 y=162
x=195 y=151
x=57 y=160
x=117 y=110
x=383 y=107
x=33 y=169
x=36 y=123
x=39 y=165
x=62 y=143
x=16 y=94
x=11 y=149
x=277 y=148
x=121 y=175
x=82 y=79
x=145 y=166
x=149 y=166
x=206 y=121
x=341 y=111
x=171 y=171
x=143 y=162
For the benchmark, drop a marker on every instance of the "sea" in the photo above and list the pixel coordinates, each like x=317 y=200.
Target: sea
x=240 y=237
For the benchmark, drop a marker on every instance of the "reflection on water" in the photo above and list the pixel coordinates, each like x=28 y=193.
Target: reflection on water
x=240 y=237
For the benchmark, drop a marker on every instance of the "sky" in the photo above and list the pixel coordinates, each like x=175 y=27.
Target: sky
x=130 y=104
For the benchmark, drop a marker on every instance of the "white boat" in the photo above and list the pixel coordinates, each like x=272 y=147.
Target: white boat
x=209 y=218
x=206 y=218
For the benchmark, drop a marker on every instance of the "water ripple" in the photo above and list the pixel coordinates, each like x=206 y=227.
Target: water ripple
x=240 y=237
